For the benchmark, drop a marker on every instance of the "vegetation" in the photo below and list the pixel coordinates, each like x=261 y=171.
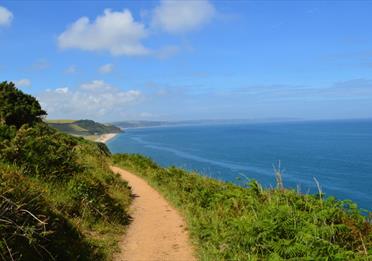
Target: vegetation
x=83 y=127
x=58 y=198
x=228 y=222
x=17 y=108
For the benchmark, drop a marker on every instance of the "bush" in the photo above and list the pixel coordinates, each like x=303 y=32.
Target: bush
x=17 y=108
x=42 y=151
x=58 y=198
x=6 y=132
x=53 y=210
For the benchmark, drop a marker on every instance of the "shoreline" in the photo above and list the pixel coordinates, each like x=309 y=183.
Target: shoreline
x=104 y=138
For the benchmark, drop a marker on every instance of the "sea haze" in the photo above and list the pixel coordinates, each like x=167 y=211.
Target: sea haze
x=337 y=153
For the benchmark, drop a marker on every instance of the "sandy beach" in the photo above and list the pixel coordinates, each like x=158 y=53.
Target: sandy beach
x=104 y=138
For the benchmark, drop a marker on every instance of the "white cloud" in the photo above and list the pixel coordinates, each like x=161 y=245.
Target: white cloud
x=6 y=16
x=96 y=85
x=71 y=69
x=95 y=100
x=182 y=16
x=106 y=68
x=23 y=83
x=116 y=32
x=61 y=90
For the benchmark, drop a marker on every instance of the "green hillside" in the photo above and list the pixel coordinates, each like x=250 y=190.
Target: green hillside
x=60 y=121
x=58 y=198
x=82 y=127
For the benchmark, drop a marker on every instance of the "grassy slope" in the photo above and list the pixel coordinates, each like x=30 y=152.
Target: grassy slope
x=58 y=198
x=229 y=222
x=70 y=128
x=82 y=127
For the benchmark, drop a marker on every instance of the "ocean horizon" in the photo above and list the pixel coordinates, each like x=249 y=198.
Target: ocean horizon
x=337 y=153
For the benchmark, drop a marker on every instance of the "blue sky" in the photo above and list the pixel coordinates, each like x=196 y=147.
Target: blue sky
x=180 y=60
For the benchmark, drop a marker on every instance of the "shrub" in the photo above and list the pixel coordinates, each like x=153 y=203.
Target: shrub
x=58 y=198
x=6 y=132
x=17 y=108
x=80 y=209
x=42 y=151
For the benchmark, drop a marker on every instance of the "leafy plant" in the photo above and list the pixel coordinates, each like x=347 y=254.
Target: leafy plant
x=42 y=151
x=17 y=108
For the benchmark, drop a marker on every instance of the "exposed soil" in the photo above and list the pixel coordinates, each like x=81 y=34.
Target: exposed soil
x=157 y=232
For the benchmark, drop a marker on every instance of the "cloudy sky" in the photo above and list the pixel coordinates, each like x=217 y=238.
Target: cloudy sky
x=180 y=60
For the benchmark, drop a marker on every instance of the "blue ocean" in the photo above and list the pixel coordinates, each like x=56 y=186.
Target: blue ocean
x=337 y=153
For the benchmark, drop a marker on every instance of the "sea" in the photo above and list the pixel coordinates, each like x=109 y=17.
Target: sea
x=337 y=154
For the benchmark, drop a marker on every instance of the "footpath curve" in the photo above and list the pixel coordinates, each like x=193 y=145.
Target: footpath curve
x=158 y=231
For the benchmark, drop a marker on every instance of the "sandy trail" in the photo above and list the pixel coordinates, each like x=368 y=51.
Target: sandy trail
x=157 y=232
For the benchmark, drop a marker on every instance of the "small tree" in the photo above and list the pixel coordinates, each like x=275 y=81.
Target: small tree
x=18 y=108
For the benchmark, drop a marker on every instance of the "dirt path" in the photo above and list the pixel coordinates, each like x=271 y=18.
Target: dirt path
x=157 y=232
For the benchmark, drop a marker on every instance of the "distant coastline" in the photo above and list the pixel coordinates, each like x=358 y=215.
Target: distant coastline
x=126 y=125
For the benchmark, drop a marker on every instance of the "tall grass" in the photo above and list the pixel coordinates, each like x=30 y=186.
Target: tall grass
x=58 y=198
x=229 y=222
x=31 y=228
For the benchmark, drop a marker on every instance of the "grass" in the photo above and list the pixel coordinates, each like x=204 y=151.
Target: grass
x=31 y=228
x=70 y=128
x=58 y=198
x=229 y=222
x=82 y=127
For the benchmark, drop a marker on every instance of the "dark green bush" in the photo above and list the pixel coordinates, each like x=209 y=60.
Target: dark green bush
x=17 y=108
x=42 y=151
x=6 y=132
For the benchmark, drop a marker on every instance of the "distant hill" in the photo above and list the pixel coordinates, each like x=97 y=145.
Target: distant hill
x=83 y=127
